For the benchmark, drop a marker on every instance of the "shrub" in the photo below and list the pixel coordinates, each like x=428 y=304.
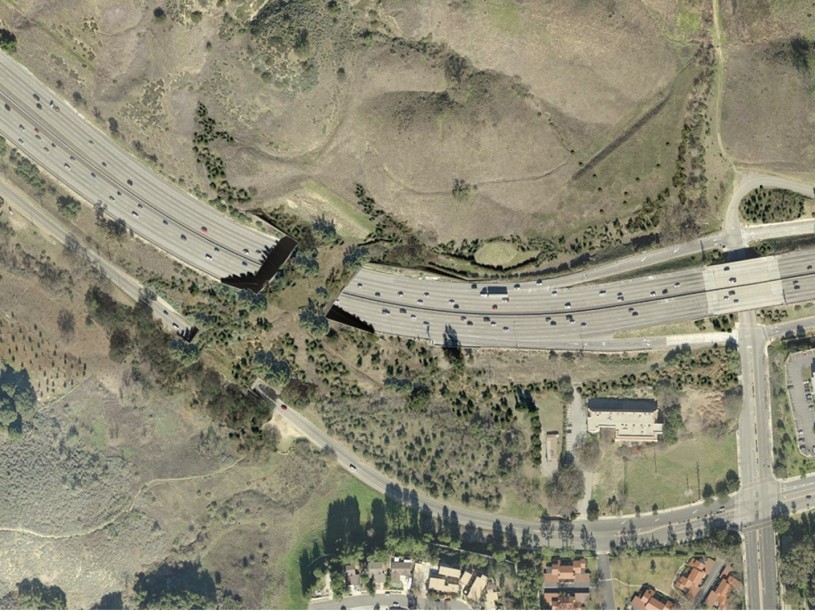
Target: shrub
x=274 y=371
x=8 y=41
x=68 y=206
x=184 y=352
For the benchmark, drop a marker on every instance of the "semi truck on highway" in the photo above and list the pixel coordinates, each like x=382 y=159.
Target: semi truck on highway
x=490 y=291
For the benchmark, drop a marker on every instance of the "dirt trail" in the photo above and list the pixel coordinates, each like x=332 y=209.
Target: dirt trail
x=719 y=95
x=119 y=514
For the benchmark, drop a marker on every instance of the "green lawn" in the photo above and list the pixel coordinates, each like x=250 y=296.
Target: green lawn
x=664 y=475
x=311 y=519
x=629 y=573
x=516 y=507
x=550 y=410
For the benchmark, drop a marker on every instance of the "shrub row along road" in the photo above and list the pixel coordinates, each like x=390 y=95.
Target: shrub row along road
x=17 y=202
x=57 y=138
x=605 y=529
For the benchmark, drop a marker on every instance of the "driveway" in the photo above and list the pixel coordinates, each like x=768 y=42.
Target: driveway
x=577 y=423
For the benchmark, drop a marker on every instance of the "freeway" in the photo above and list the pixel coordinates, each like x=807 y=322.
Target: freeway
x=89 y=163
x=19 y=203
x=731 y=237
x=537 y=315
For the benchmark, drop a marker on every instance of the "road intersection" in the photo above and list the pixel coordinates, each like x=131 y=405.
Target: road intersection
x=576 y=310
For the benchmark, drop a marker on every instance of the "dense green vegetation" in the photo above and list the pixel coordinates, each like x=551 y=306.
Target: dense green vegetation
x=18 y=399
x=772 y=206
x=30 y=173
x=8 y=41
x=797 y=570
x=68 y=206
x=34 y=594
x=176 y=586
x=274 y=371
x=672 y=423
x=565 y=488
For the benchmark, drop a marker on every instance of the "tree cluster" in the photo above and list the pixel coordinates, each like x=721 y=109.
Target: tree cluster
x=797 y=570
x=772 y=206
x=717 y=367
x=8 y=40
x=274 y=371
x=68 y=206
x=18 y=399
x=565 y=488
x=214 y=164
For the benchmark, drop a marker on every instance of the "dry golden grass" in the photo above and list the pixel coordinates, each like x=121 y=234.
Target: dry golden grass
x=395 y=118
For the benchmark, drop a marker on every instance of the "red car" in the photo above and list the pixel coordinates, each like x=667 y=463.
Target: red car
x=283 y=406
x=204 y=229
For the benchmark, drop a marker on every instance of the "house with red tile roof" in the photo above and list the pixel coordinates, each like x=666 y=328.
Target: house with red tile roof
x=651 y=599
x=727 y=583
x=566 y=583
x=693 y=575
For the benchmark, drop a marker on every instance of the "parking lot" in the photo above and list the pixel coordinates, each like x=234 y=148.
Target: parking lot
x=799 y=387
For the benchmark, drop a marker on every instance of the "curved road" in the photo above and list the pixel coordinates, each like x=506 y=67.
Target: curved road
x=56 y=137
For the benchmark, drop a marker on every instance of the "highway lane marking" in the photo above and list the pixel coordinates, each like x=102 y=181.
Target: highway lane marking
x=20 y=109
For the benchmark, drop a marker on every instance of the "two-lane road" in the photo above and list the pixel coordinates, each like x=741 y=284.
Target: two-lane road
x=19 y=203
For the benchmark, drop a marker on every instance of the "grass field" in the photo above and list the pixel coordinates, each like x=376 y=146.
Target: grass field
x=679 y=328
x=630 y=572
x=550 y=407
x=518 y=508
x=666 y=476
x=502 y=254
x=310 y=526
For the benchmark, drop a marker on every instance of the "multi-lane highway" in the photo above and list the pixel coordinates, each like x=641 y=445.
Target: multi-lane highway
x=17 y=202
x=569 y=312
x=535 y=314
x=55 y=136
